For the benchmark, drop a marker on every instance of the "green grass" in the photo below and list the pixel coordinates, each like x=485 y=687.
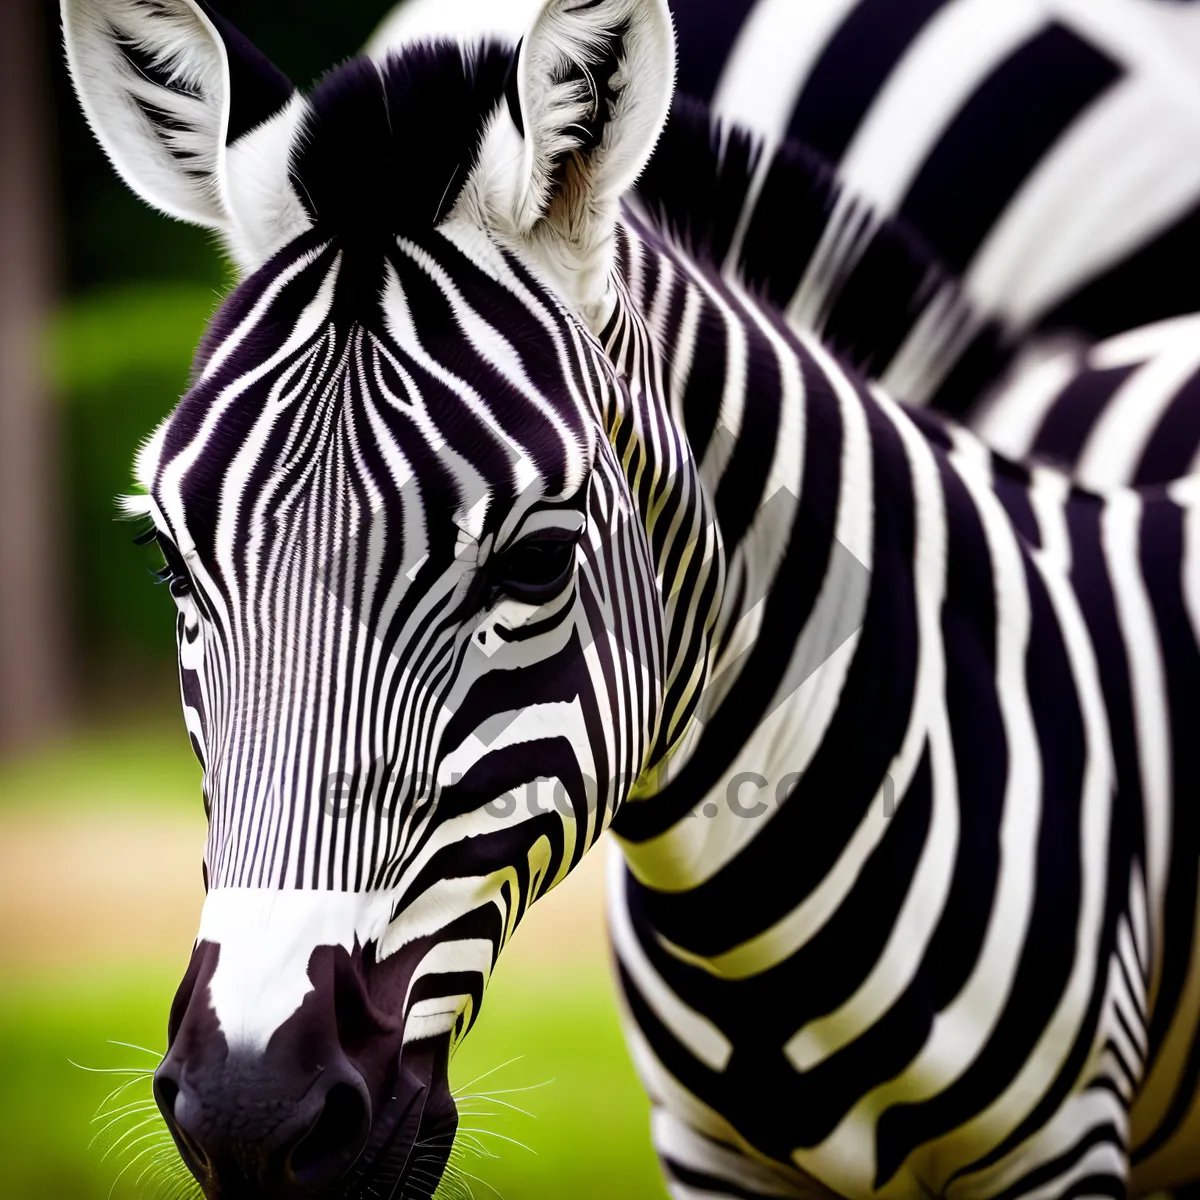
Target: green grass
x=588 y=1135
x=45 y=1102
x=129 y=765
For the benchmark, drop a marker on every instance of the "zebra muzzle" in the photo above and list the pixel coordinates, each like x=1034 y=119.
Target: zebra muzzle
x=330 y=1104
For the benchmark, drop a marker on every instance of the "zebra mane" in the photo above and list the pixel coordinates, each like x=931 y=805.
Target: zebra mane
x=387 y=147
x=873 y=273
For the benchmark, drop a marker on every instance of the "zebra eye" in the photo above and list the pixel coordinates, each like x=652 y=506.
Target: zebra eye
x=173 y=572
x=537 y=568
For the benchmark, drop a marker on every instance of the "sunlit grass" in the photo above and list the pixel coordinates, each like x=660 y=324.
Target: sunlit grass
x=572 y=1098
x=134 y=763
x=130 y=1134
x=46 y=1103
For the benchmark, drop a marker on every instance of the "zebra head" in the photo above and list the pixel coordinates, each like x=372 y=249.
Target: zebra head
x=423 y=539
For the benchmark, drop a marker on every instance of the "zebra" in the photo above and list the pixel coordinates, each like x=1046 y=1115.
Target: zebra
x=1042 y=152
x=1123 y=410
x=741 y=963
x=1120 y=411
x=470 y=494
x=1041 y=147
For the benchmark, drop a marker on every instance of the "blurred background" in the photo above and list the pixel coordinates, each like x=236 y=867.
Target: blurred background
x=101 y=305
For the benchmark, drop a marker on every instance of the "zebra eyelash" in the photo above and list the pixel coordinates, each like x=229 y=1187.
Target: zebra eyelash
x=173 y=573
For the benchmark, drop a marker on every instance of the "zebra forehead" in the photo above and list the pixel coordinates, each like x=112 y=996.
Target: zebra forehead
x=446 y=387
x=386 y=147
x=448 y=358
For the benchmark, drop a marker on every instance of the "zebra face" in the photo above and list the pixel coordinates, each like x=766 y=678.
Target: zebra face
x=420 y=623
x=390 y=649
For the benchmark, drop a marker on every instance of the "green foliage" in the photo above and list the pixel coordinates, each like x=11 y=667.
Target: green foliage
x=102 y=339
x=119 y=361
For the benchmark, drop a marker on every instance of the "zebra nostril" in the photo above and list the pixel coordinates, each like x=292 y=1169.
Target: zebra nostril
x=334 y=1140
x=306 y=1158
x=166 y=1095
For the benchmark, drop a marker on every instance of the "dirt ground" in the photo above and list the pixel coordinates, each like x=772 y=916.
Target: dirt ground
x=125 y=887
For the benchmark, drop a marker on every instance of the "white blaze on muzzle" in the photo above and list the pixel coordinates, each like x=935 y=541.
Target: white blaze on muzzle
x=266 y=939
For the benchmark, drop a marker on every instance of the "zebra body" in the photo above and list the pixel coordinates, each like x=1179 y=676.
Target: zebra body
x=1040 y=147
x=1046 y=863
x=486 y=486
x=1123 y=410
x=1042 y=152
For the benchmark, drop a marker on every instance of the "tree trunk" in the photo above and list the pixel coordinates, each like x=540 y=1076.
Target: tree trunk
x=32 y=660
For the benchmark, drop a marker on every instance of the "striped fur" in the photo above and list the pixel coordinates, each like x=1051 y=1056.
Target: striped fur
x=952 y=953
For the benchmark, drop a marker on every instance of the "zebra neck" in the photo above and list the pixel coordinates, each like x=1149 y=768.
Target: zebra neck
x=776 y=217
x=794 y=459
x=672 y=505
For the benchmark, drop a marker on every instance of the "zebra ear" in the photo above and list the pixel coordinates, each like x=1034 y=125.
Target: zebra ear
x=172 y=92
x=593 y=85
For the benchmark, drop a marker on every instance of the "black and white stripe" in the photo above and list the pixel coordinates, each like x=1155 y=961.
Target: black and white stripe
x=1034 y=160
x=964 y=996
x=1043 y=156
x=984 y=124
